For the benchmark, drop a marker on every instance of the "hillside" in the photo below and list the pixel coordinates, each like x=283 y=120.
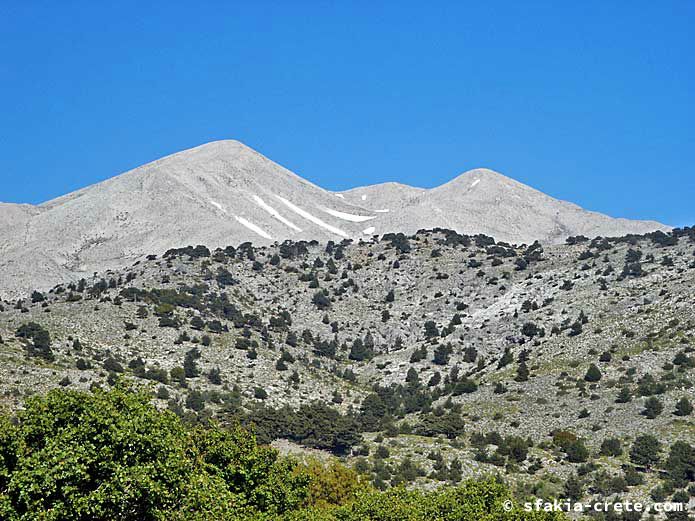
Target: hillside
x=420 y=359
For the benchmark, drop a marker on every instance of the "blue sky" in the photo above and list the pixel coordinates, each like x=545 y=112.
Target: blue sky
x=592 y=101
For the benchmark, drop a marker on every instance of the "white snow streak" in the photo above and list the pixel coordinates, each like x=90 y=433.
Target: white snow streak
x=475 y=182
x=311 y=218
x=383 y=211
x=217 y=205
x=340 y=195
x=253 y=227
x=349 y=216
x=369 y=231
x=364 y=197
x=272 y=211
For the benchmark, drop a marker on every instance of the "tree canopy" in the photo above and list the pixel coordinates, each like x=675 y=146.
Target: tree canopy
x=74 y=455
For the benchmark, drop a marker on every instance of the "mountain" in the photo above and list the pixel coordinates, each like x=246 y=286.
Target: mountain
x=383 y=197
x=14 y=218
x=483 y=201
x=224 y=193
x=217 y=194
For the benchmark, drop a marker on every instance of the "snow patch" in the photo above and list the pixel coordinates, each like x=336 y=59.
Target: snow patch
x=383 y=211
x=340 y=195
x=349 y=216
x=313 y=219
x=272 y=211
x=475 y=182
x=217 y=205
x=369 y=231
x=364 y=197
x=260 y=231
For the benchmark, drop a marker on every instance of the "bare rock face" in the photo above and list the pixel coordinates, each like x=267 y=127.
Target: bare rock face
x=224 y=193
x=483 y=201
x=13 y=222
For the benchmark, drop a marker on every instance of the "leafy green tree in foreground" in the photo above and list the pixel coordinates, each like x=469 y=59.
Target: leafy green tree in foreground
x=112 y=455
x=72 y=455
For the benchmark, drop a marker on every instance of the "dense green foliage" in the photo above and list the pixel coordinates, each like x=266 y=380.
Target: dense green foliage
x=72 y=455
x=112 y=455
x=314 y=425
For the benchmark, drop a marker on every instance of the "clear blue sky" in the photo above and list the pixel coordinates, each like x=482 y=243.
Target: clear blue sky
x=590 y=101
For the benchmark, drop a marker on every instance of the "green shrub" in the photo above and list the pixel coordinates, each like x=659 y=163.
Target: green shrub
x=593 y=374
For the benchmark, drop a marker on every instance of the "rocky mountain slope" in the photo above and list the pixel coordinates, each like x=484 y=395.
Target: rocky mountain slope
x=225 y=193
x=483 y=201
x=420 y=358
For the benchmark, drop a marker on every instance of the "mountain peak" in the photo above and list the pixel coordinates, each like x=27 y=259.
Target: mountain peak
x=221 y=149
x=475 y=176
x=225 y=193
x=481 y=172
x=221 y=146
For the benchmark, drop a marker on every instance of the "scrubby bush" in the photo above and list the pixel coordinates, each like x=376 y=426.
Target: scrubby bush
x=611 y=447
x=652 y=407
x=593 y=374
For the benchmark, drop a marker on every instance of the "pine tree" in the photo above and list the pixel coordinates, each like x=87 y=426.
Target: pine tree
x=431 y=330
x=412 y=376
x=442 y=354
x=683 y=407
x=624 y=396
x=611 y=447
x=522 y=372
x=593 y=374
x=506 y=359
x=470 y=354
x=189 y=366
x=680 y=464
x=214 y=376
x=645 y=451
x=291 y=339
x=197 y=323
x=435 y=380
x=577 y=452
x=359 y=351
x=455 y=471
x=652 y=407
x=40 y=340
x=418 y=355
x=320 y=300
